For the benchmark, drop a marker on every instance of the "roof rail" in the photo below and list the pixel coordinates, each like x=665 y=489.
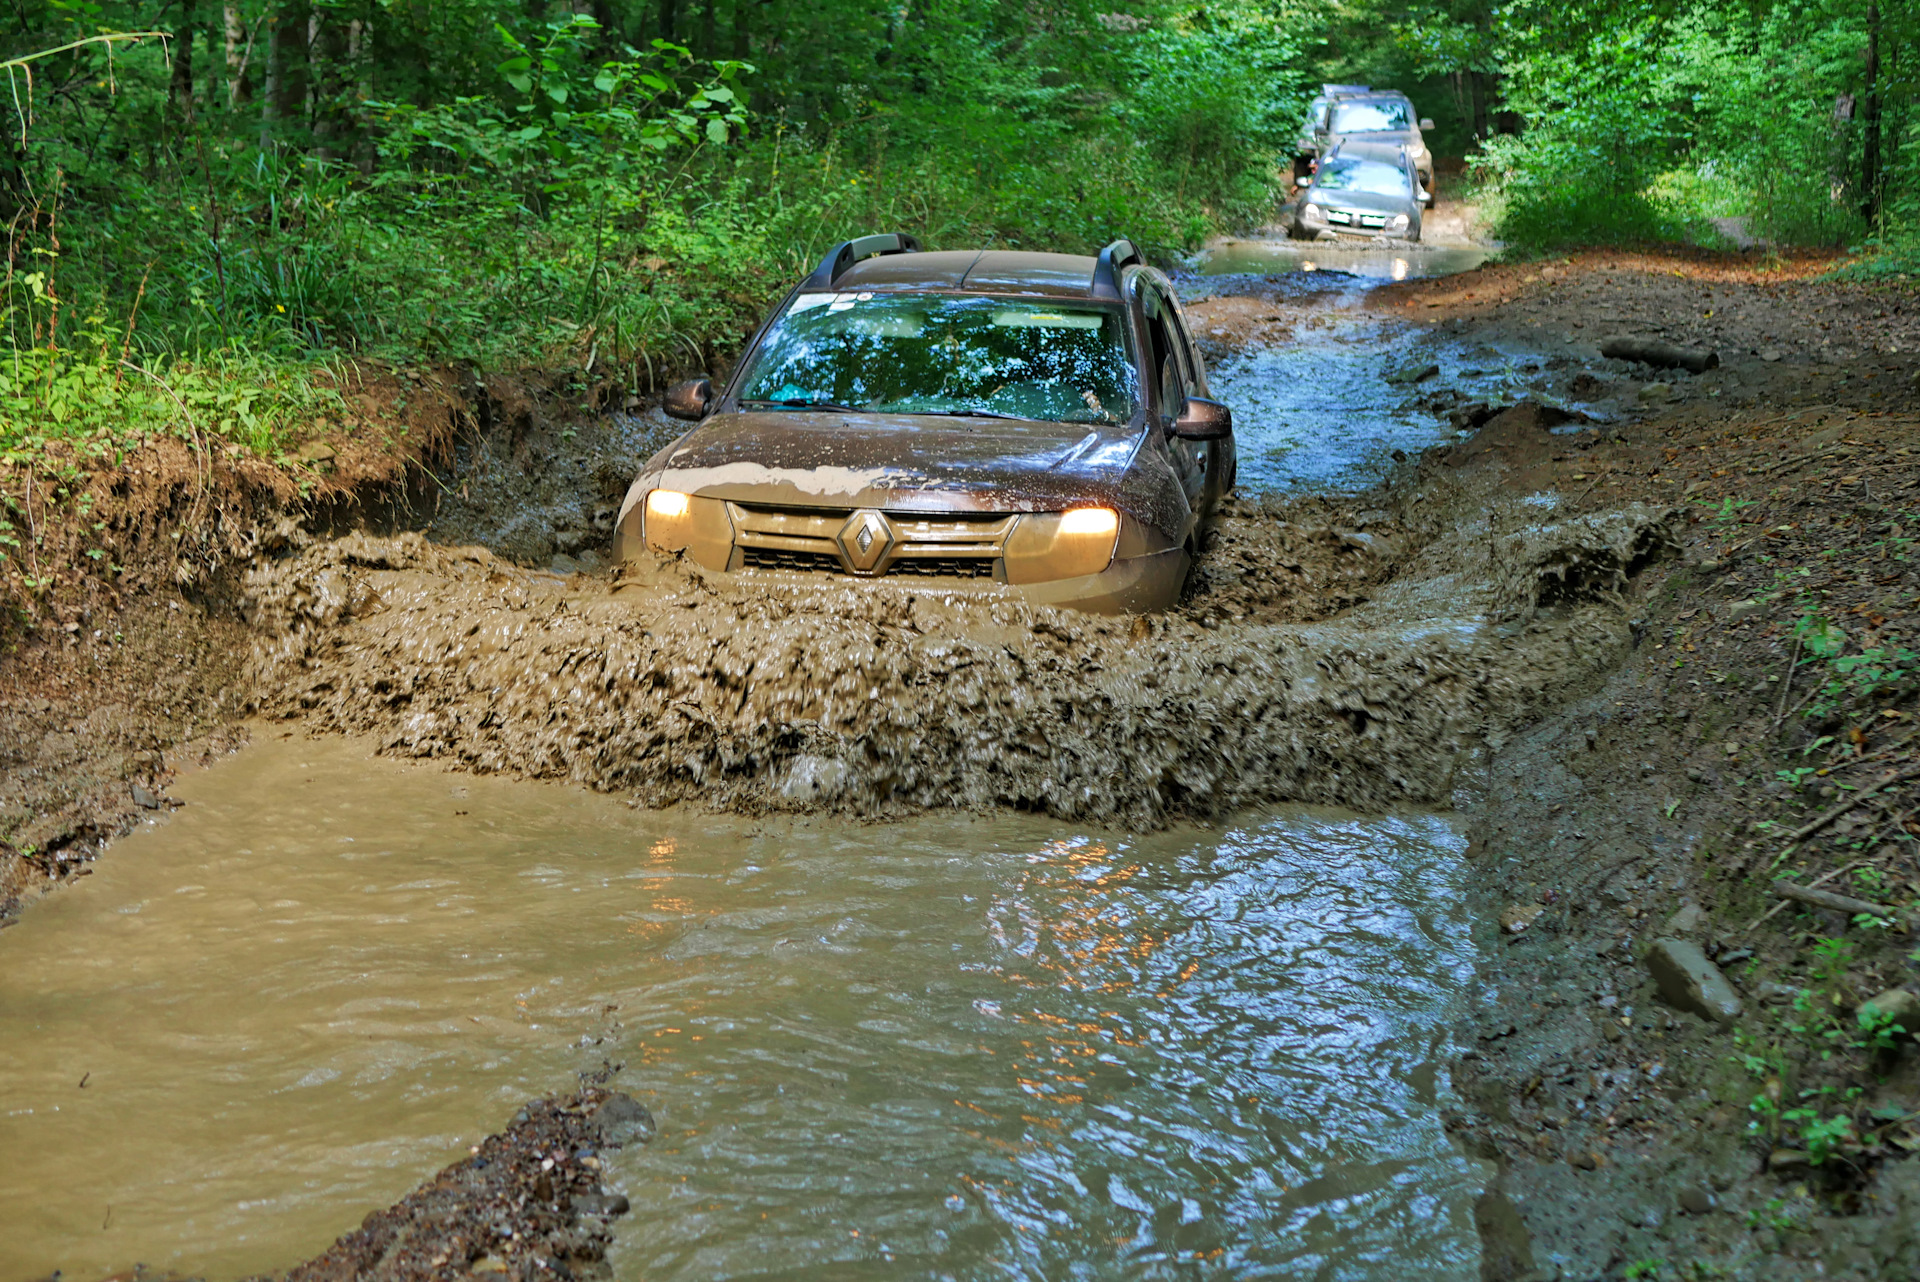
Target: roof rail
x=1330 y=90
x=843 y=256
x=1107 y=268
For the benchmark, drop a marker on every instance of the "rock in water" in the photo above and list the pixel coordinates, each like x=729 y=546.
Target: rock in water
x=1689 y=981
x=624 y=1120
x=144 y=799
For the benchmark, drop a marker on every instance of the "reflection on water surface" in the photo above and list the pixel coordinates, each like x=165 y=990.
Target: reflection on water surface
x=948 y=1047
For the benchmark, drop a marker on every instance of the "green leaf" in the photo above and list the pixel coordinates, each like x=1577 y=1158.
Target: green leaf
x=558 y=93
x=717 y=130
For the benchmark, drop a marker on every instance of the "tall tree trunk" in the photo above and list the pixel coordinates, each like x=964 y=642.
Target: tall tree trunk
x=669 y=19
x=180 y=85
x=360 y=61
x=742 y=21
x=270 y=81
x=1870 y=122
x=326 y=51
x=239 y=53
x=290 y=72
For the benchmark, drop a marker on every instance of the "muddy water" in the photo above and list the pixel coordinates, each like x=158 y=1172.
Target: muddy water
x=997 y=1047
x=1263 y=256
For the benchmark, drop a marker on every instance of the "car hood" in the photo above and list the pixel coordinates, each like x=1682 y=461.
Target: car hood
x=898 y=461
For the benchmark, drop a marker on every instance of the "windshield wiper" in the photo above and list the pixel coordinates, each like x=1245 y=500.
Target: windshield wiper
x=800 y=403
x=971 y=413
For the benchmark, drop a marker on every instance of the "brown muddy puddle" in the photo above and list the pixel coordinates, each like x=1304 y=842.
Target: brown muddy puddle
x=963 y=1047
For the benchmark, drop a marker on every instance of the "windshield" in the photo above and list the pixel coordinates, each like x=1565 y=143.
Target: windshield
x=924 y=354
x=1347 y=173
x=1371 y=117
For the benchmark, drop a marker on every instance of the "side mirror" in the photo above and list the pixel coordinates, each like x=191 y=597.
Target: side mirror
x=1425 y=198
x=1426 y=123
x=1203 y=420
x=689 y=400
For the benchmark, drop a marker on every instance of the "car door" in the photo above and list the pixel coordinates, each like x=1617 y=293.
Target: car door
x=1172 y=377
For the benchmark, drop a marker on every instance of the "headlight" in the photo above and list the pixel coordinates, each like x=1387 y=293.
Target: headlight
x=1061 y=545
x=1311 y=213
x=674 y=522
x=666 y=504
x=1093 y=521
x=1398 y=222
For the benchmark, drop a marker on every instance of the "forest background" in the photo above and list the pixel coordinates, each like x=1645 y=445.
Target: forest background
x=203 y=217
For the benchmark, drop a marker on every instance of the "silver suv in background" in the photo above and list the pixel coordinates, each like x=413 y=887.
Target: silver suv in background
x=1360 y=189
x=1360 y=114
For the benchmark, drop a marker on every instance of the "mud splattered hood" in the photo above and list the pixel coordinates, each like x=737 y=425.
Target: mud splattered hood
x=932 y=462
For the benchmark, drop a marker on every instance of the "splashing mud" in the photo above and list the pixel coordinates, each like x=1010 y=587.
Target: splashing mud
x=1455 y=621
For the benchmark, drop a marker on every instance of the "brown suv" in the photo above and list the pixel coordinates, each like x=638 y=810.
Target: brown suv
x=1039 y=421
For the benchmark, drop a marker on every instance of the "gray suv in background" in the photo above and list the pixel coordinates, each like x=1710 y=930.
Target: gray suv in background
x=1360 y=114
x=1360 y=189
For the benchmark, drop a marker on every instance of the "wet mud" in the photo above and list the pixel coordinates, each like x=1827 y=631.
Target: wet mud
x=1437 y=624
x=528 y=1202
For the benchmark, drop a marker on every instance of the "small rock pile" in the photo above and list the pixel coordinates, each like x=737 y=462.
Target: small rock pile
x=527 y=1203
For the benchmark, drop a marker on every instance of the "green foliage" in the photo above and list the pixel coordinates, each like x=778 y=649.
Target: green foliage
x=1846 y=678
x=1653 y=119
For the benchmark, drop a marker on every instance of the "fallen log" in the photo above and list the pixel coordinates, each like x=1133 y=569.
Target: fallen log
x=1650 y=351
x=1839 y=903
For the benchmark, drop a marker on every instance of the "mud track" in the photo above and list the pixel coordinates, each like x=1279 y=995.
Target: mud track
x=874 y=699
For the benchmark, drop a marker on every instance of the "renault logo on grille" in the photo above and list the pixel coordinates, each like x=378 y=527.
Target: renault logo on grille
x=864 y=541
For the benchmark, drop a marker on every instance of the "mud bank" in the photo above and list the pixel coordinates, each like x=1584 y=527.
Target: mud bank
x=1634 y=1135
x=671 y=686
x=528 y=1202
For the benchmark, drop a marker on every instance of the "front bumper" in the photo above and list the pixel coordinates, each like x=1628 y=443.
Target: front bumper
x=1030 y=554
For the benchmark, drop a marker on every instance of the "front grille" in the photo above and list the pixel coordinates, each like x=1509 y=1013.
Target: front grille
x=958 y=567
x=963 y=545
x=776 y=559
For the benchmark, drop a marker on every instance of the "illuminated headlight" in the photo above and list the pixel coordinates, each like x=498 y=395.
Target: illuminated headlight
x=1061 y=545
x=1399 y=222
x=666 y=505
x=1313 y=215
x=1091 y=522
x=674 y=522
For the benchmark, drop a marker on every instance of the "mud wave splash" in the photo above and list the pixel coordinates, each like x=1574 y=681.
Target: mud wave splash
x=876 y=699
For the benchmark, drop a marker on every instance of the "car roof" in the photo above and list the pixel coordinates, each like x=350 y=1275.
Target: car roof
x=993 y=271
x=1350 y=93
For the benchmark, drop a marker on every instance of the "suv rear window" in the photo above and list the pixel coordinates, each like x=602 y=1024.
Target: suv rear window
x=1379 y=116
x=927 y=354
